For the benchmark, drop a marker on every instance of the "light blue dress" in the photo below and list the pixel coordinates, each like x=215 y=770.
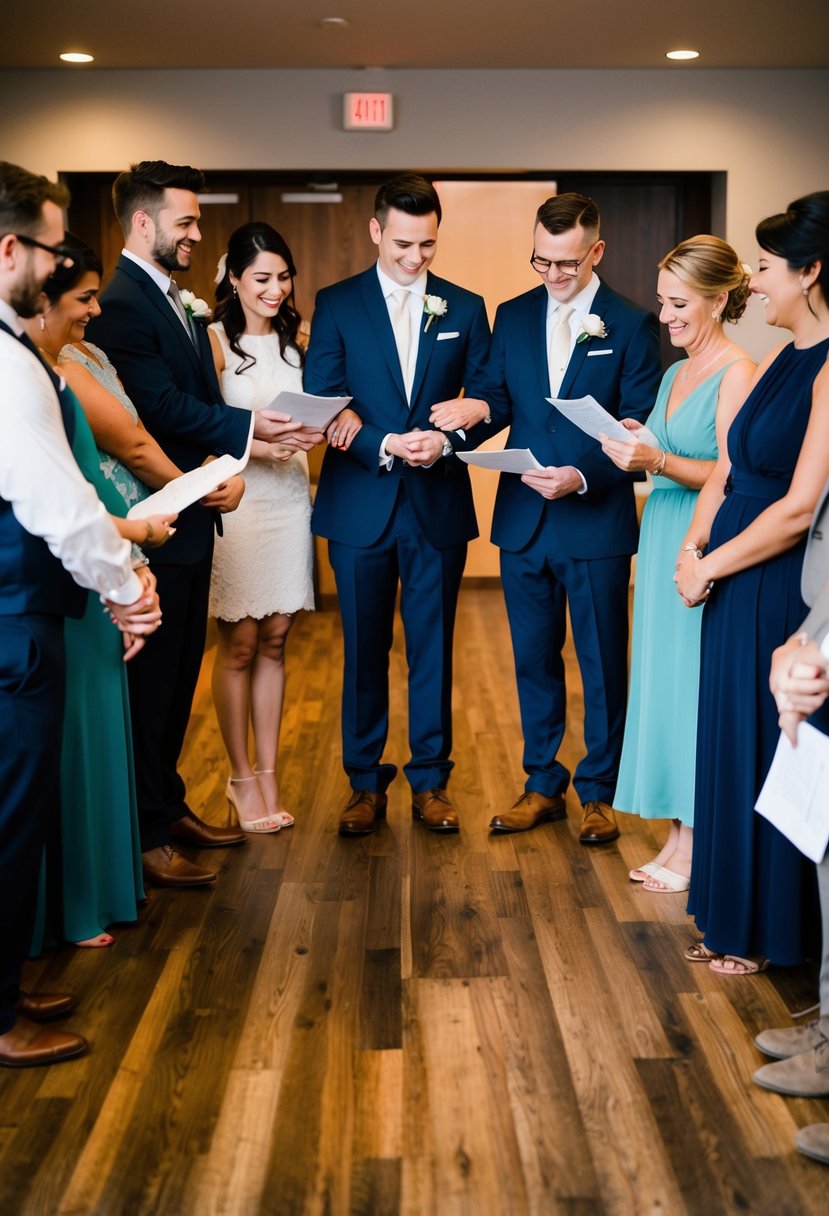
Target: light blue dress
x=657 y=769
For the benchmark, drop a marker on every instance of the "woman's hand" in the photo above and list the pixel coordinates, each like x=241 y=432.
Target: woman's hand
x=227 y=496
x=627 y=454
x=159 y=530
x=693 y=582
x=342 y=429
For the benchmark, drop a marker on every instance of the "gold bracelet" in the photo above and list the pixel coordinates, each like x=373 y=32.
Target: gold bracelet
x=660 y=465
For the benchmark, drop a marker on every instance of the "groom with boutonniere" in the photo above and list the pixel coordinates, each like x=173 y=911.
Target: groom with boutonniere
x=567 y=531
x=394 y=502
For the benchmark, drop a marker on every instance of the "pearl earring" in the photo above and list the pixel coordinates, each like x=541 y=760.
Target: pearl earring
x=805 y=291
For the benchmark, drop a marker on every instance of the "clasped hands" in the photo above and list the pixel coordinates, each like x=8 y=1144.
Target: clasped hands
x=417 y=447
x=693 y=578
x=799 y=682
x=140 y=618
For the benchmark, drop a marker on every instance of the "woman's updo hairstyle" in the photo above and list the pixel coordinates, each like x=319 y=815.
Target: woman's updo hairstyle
x=65 y=278
x=244 y=247
x=710 y=266
x=801 y=236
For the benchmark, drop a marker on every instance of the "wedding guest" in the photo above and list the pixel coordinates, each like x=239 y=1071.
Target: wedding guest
x=165 y=364
x=55 y=539
x=395 y=504
x=93 y=880
x=567 y=531
x=752 y=893
x=701 y=285
x=262 y=565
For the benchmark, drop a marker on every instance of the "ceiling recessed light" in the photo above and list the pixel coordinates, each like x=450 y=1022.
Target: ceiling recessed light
x=333 y=23
x=77 y=57
x=682 y=55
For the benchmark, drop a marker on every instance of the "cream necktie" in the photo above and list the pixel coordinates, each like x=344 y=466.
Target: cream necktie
x=402 y=326
x=560 y=348
x=175 y=295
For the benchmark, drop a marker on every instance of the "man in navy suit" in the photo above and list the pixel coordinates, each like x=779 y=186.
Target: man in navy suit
x=164 y=360
x=567 y=531
x=395 y=504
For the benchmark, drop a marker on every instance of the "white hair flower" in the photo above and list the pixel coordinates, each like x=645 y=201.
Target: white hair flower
x=221 y=269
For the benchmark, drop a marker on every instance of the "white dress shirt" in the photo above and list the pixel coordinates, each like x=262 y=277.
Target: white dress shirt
x=580 y=305
x=417 y=292
x=41 y=480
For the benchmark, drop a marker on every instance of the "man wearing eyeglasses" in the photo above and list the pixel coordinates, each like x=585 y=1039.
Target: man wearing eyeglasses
x=567 y=531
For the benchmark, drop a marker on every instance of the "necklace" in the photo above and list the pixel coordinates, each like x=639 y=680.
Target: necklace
x=687 y=374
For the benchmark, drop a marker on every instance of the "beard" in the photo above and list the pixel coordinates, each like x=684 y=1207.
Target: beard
x=27 y=297
x=165 y=253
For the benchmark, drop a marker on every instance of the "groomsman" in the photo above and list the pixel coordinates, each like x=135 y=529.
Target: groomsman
x=395 y=504
x=566 y=532
x=164 y=360
x=53 y=530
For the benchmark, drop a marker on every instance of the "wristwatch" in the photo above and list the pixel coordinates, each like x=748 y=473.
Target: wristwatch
x=448 y=450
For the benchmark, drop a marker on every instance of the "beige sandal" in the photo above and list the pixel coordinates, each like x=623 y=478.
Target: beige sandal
x=699 y=953
x=738 y=965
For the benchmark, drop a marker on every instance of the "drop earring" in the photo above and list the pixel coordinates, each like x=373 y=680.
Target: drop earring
x=42 y=321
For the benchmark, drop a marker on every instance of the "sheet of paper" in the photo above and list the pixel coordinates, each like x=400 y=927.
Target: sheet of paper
x=593 y=419
x=183 y=491
x=510 y=460
x=313 y=412
x=795 y=794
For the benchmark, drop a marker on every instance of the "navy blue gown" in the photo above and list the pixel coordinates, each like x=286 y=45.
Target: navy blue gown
x=752 y=893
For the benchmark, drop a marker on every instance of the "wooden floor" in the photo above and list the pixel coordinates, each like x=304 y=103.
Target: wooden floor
x=407 y=1023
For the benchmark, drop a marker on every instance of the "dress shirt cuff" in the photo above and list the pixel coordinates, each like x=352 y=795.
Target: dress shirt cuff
x=386 y=460
x=131 y=590
x=824 y=647
x=583 y=489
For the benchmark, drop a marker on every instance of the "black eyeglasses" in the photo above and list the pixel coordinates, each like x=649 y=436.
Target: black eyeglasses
x=60 y=253
x=569 y=266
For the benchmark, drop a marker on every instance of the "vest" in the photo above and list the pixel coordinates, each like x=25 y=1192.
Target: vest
x=32 y=579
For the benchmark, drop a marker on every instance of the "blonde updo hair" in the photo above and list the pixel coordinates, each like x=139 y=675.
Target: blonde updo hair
x=709 y=265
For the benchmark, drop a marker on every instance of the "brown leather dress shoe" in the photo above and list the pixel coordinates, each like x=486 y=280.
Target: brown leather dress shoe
x=363 y=811
x=164 y=867
x=26 y=1045
x=42 y=1006
x=598 y=823
x=192 y=831
x=435 y=811
x=529 y=811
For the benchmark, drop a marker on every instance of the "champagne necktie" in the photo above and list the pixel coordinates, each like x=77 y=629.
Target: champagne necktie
x=402 y=326
x=175 y=295
x=560 y=348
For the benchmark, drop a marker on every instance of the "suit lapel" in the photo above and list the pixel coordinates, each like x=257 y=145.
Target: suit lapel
x=426 y=341
x=378 y=315
x=537 y=331
x=156 y=300
x=579 y=355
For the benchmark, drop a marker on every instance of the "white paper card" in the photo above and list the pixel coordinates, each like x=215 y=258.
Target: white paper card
x=313 y=412
x=590 y=417
x=795 y=794
x=183 y=491
x=510 y=460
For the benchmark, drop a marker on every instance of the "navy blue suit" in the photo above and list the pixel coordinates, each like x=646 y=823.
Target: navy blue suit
x=172 y=383
x=405 y=524
x=35 y=595
x=574 y=549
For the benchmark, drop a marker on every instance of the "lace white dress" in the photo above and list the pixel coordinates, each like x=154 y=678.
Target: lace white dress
x=264 y=561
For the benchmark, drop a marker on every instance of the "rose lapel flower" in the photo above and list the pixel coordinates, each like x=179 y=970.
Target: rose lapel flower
x=196 y=309
x=591 y=327
x=433 y=306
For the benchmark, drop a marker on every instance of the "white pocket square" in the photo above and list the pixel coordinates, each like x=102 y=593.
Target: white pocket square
x=443 y=337
x=599 y=352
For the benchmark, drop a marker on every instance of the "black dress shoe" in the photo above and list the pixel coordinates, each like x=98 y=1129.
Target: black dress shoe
x=192 y=831
x=43 y=1006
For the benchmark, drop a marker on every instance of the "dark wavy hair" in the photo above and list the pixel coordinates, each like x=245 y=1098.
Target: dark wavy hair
x=800 y=234
x=22 y=195
x=84 y=260
x=407 y=192
x=142 y=186
x=244 y=247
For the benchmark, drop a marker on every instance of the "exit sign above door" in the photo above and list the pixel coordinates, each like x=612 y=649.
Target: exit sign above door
x=368 y=111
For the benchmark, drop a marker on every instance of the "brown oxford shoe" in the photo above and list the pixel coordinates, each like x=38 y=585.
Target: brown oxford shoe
x=529 y=811
x=164 y=867
x=192 y=831
x=26 y=1045
x=598 y=823
x=42 y=1006
x=435 y=811
x=363 y=811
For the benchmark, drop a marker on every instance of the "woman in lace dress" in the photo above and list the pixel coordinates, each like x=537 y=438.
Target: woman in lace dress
x=262 y=565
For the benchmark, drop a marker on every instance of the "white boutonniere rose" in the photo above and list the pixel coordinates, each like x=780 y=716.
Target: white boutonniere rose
x=433 y=306
x=198 y=310
x=591 y=327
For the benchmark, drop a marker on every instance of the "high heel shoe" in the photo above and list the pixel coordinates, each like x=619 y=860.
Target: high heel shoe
x=283 y=818
x=262 y=826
